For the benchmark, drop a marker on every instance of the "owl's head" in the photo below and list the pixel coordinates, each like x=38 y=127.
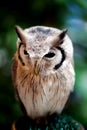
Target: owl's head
x=43 y=48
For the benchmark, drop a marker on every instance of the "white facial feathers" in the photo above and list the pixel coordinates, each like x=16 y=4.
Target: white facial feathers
x=53 y=40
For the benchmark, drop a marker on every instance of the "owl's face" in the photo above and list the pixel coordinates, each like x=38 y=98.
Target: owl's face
x=40 y=48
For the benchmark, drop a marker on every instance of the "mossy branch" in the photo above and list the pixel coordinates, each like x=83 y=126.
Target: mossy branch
x=55 y=122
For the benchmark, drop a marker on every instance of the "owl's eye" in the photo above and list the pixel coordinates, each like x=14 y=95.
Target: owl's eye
x=25 y=52
x=50 y=55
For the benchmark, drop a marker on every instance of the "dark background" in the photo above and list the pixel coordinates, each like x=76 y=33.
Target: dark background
x=70 y=14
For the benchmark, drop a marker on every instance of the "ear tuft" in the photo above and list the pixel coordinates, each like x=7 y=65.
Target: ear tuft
x=62 y=34
x=18 y=30
x=20 y=33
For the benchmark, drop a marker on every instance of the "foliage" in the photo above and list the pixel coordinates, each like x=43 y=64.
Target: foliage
x=56 y=13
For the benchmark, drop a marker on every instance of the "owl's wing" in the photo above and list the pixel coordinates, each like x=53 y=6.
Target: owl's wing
x=14 y=75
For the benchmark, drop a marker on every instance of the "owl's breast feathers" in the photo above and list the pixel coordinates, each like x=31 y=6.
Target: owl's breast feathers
x=40 y=94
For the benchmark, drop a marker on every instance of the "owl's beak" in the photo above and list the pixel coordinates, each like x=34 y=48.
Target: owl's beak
x=36 y=69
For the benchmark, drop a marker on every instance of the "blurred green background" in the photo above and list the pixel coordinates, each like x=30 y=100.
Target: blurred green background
x=70 y=14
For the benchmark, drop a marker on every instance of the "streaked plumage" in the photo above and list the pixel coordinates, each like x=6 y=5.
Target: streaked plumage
x=42 y=71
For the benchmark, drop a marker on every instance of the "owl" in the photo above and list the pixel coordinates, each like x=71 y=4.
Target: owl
x=43 y=70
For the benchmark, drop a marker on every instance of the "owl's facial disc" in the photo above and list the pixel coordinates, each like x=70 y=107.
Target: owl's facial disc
x=62 y=59
x=45 y=49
